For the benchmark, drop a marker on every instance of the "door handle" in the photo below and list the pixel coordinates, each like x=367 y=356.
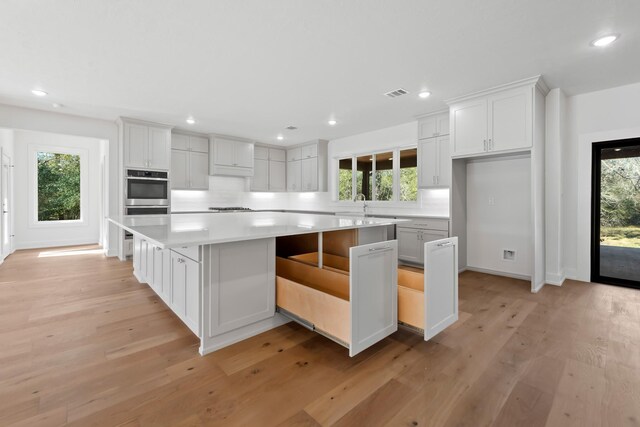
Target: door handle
x=442 y=245
x=485 y=145
x=380 y=248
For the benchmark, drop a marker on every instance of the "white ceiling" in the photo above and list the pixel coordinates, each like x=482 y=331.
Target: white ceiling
x=249 y=68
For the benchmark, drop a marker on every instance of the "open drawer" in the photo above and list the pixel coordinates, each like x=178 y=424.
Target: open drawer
x=355 y=306
x=428 y=299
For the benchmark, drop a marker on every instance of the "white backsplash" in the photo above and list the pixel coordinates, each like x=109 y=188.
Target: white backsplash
x=231 y=191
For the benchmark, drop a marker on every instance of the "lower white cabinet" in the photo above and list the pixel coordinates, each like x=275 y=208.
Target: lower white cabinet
x=185 y=290
x=413 y=235
x=351 y=298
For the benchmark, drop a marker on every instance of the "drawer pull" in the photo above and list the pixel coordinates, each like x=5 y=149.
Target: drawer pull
x=442 y=245
x=378 y=249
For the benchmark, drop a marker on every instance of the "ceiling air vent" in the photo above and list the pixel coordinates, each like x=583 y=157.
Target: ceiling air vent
x=396 y=93
x=290 y=127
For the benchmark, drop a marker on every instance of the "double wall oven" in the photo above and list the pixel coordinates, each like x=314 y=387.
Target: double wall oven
x=146 y=192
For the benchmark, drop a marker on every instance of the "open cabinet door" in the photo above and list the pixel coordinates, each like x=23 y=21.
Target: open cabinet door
x=440 y=285
x=373 y=287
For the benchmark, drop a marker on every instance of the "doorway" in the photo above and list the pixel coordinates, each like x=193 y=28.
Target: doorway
x=6 y=201
x=615 y=213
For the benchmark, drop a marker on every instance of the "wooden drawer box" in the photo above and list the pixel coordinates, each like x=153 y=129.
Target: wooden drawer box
x=355 y=308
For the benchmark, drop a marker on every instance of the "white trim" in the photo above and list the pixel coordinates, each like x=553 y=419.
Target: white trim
x=535 y=80
x=32 y=186
x=40 y=244
x=500 y=273
x=555 y=279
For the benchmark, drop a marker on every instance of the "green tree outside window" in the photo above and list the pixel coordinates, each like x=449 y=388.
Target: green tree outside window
x=58 y=186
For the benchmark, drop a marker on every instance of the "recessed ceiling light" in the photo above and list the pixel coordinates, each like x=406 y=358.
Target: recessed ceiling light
x=617 y=149
x=605 y=40
x=332 y=122
x=279 y=137
x=38 y=92
x=424 y=94
x=191 y=120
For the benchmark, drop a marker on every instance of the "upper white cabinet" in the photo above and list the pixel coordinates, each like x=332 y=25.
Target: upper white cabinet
x=269 y=169
x=499 y=120
x=145 y=145
x=432 y=126
x=307 y=167
x=434 y=158
x=232 y=157
x=434 y=154
x=189 y=162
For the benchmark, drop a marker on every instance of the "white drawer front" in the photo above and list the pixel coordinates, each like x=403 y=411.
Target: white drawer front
x=192 y=252
x=427 y=224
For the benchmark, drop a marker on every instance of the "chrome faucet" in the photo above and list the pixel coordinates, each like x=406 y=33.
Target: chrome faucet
x=361 y=197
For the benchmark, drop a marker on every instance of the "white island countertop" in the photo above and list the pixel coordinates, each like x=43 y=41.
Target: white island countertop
x=179 y=230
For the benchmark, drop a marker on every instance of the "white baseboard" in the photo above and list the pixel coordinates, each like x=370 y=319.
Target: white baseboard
x=111 y=252
x=499 y=273
x=54 y=244
x=571 y=273
x=555 y=279
x=536 y=289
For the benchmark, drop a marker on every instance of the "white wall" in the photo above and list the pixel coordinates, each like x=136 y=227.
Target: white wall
x=6 y=148
x=30 y=235
x=19 y=118
x=592 y=117
x=499 y=214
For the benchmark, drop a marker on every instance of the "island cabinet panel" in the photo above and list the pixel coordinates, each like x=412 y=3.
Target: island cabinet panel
x=241 y=285
x=351 y=300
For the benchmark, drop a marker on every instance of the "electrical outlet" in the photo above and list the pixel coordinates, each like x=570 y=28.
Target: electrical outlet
x=508 y=255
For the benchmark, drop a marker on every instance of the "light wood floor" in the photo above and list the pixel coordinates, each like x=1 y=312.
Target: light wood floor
x=82 y=343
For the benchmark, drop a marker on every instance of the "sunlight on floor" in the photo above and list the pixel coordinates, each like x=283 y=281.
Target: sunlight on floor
x=70 y=253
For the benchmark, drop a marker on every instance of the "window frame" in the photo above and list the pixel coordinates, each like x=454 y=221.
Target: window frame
x=396 y=177
x=32 y=185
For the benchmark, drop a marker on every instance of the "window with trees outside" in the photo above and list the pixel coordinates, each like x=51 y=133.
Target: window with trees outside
x=58 y=183
x=388 y=176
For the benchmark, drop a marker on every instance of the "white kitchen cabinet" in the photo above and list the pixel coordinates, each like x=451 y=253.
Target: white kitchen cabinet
x=353 y=302
x=150 y=249
x=434 y=159
x=185 y=290
x=428 y=299
x=260 y=178
x=137 y=253
x=294 y=154
x=270 y=169
x=307 y=167
x=309 y=151
x=189 y=162
x=294 y=175
x=231 y=157
x=413 y=235
x=145 y=145
x=179 y=169
x=277 y=176
x=242 y=285
x=158 y=270
x=433 y=126
x=309 y=174
x=469 y=124
x=260 y=153
x=510 y=120
x=501 y=121
x=277 y=155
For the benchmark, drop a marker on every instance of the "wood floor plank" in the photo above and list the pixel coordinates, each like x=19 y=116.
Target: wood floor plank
x=90 y=346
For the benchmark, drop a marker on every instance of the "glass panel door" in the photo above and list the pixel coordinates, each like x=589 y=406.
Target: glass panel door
x=615 y=255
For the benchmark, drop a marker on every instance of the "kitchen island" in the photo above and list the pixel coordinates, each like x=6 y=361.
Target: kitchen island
x=219 y=273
